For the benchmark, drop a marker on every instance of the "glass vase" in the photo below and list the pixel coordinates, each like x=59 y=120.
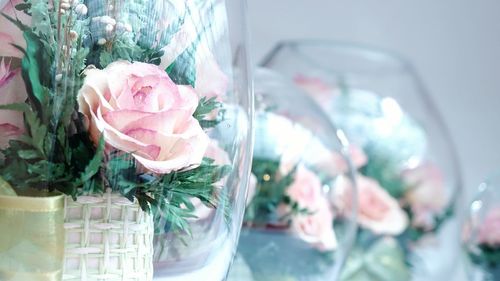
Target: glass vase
x=294 y=228
x=409 y=186
x=140 y=112
x=481 y=232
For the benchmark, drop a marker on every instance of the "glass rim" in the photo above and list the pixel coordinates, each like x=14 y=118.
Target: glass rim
x=366 y=53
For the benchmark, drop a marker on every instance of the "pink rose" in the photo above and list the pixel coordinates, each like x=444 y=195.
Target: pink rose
x=377 y=210
x=9 y=33
x=315 y=228
x=12 y=90
x=140 y=110
x=489 y=231
x=426 y=195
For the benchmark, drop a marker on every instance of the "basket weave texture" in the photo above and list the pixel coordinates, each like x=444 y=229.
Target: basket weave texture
x=107 y=238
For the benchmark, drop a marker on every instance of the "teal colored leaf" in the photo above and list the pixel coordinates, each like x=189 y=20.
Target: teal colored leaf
x=24 y=7
x=34 y=56
x=16 y=22
x=23 y=107
x=183 y=70
x=31 y=68
x=6 y=189
x=28 y=154
x=383 y=261
x=95 y=164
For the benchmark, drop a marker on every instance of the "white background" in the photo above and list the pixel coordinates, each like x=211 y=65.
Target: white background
x=454 y=44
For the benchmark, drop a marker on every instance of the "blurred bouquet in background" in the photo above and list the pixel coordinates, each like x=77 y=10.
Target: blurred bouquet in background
x=290 y=216
x=402 y=199
x=406 y=170
x=481 y=233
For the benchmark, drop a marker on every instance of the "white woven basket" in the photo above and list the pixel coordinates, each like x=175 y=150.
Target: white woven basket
x=107 y=238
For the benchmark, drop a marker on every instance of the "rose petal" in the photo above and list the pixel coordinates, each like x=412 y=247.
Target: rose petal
x=378 y=211
x=122 y=119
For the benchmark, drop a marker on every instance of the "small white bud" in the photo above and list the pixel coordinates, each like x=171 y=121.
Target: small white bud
x=101 y=41
x=82 y=10
x=108 y=20
x=59 y=77
x=62 y=11
x=109 y=28
x=65 y=6
x=127 y=27
x=111 y=7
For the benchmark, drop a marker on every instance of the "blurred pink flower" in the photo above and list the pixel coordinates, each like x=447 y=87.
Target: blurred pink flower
x=378 y=211
x=489 y=231
x=12 y=90
x=426 y=195
x=317 y=89
x=216 y=153
x=315 y=228
x=210 y=80
x=336 y=161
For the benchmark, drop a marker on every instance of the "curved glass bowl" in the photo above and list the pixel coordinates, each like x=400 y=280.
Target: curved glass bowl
x=481 y=232
x=136 y=109
x=379 y=101
x=295 y=226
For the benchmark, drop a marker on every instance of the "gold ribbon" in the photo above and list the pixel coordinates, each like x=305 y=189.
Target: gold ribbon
x=31 y=237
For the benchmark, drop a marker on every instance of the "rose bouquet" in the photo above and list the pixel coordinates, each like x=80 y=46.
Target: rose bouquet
x=401 y=204
x=119 y=105
x=289 y=228
x=410 y=181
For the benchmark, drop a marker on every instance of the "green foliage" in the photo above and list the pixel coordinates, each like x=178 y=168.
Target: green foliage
x=122 y=50
x=44 y=159
x=183 y=70
x=169 y=195
x=415 y=234
x=271 y=192
x=24 y=7
x=381 y=168
x=6 y=189
x=33 y=55
x=487 y=256
x=376 y=258
x=56 y=152
x=207 y=106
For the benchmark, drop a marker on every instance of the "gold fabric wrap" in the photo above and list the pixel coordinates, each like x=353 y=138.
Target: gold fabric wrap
x=31 y=237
